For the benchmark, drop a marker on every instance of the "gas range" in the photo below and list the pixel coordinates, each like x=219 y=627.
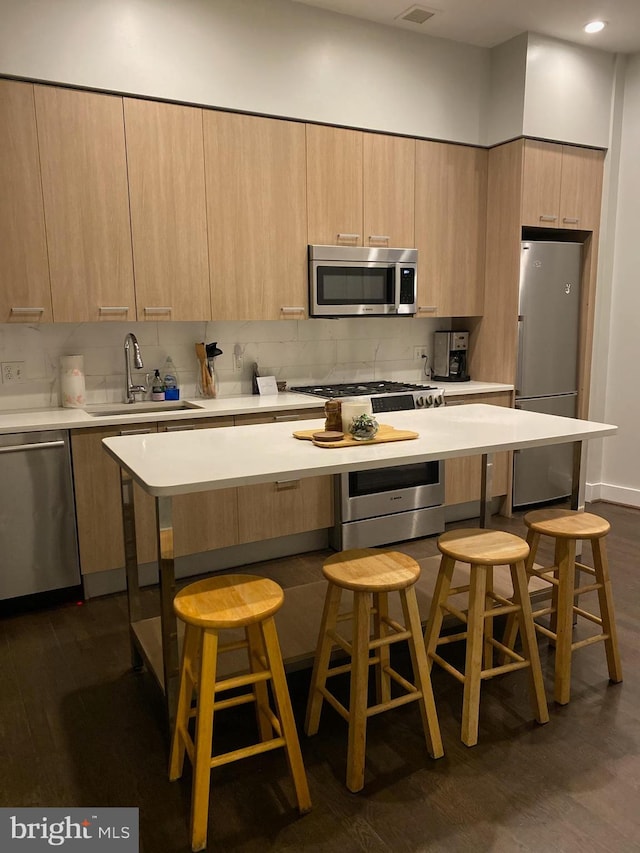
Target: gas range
x=385 y=396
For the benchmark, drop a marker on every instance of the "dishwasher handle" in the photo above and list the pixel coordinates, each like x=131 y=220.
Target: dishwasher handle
x=38 y=445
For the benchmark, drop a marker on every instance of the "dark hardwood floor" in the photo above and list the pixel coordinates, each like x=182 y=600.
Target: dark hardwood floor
x=79 y=728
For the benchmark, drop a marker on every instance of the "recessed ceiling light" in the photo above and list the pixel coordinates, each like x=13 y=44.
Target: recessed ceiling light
x=594 y=26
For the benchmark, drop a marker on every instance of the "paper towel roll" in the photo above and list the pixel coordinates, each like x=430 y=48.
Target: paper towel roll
x=353 y=408
x=72 y=386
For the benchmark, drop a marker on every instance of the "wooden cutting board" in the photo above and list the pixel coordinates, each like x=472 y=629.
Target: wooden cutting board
x=385 y=433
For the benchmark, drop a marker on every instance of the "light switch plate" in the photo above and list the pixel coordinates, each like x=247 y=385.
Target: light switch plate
x=12 y=372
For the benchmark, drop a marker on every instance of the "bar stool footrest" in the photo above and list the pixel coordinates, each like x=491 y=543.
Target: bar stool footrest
x=247 y=751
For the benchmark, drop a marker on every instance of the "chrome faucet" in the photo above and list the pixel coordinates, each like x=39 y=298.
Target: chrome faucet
x=132 y=390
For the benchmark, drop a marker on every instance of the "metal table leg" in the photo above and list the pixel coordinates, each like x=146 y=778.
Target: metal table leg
x=134 y=603
x=168 y=621
x=169 y=677
x=486 y=488
x=577 y=481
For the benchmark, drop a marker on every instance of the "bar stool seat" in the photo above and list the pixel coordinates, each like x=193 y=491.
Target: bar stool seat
x=566 y=527
x=208 y=607
x=370 y=574
x=483 y=549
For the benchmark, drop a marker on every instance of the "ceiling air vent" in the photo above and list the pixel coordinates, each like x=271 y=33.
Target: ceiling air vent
x=415 y=15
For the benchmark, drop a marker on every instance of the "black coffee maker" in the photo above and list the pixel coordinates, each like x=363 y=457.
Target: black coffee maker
x=450 y=356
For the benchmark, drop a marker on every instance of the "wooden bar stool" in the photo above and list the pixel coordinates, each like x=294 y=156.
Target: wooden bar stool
x=208 y=607
x=567 y=527
x=371 y=574
x=483 y=549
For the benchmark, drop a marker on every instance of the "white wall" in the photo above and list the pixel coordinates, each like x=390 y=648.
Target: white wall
x=287 y=59
x=568 y=92
x=506 y=100
x=621 y=454
x=267 y=56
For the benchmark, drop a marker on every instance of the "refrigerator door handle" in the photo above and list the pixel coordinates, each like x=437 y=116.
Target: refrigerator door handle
x=520 y=354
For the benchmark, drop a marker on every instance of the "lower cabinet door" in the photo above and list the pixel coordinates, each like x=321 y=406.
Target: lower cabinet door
x=462 y=475
x=268 y=510
x=203 y=521
x=96 y=478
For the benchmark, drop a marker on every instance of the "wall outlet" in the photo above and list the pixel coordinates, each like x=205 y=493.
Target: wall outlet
x=238 y=361
x=12 y=371
x=419 y=352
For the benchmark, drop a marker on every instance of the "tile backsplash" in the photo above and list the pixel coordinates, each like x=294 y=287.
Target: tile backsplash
x=300 y=352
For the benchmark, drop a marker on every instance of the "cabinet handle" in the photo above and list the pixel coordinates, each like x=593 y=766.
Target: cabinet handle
x=286 y=417
x=427 y=307
x=547 y=218
x=379 y=238
x=135 y=432
x=455 y=402
x=286 y=484
x=570 y=220
x=348 y=236
x=285 y=309
x=113 y=309
x=178 y=427
x=27 y=310
x=165 y=309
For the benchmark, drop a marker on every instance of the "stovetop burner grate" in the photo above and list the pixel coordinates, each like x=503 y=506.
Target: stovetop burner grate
x=360 y=389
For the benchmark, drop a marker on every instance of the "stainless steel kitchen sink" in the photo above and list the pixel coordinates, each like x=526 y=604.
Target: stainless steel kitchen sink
x=110 y=409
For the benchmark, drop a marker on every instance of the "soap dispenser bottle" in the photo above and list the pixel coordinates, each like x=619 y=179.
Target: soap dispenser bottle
x=157 y=387
x=170 y=376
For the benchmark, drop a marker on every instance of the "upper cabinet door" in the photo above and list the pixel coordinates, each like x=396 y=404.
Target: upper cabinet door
x=165 y=159
x=334 y=185
x=389 y=190
x=86 y=202
x=561 y=186
x=581 y=189
x=451 y=205
x=24 y=270
x=542 y=174
x=257 y=216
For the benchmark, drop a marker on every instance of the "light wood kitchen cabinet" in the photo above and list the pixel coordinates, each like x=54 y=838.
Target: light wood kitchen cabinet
x=268 y=510
x=450 y=222
x=257 y=216
x=360 y=188
x=462 y=476
x=562 y=186
x=203 y=521
x=334 y=185
x=96 y=478
x=86 y=203
x=165 y=161
x=25 y=295
x=388 y=190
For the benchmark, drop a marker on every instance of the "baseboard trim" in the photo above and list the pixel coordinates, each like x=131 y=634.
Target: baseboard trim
x=612 y=494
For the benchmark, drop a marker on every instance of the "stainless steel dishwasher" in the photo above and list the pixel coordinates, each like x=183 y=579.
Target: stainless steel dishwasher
x=38 y=540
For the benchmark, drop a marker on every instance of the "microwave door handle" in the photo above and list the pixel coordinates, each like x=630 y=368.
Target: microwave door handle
x=398 y=286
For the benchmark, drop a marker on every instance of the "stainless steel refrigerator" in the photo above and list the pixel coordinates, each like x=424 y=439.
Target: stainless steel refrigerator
x=547 y=376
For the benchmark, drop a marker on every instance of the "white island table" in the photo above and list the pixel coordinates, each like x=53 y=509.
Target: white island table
x=169 y=464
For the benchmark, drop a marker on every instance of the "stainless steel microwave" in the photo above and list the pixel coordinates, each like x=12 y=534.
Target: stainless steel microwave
x=355 y=281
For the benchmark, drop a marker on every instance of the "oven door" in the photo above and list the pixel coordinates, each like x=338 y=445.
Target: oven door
x=383 y=491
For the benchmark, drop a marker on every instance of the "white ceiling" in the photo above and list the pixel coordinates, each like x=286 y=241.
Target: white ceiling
x=487 y=23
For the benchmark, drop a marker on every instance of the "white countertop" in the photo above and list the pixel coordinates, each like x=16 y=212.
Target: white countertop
x=175 y=463
x=34 y=420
